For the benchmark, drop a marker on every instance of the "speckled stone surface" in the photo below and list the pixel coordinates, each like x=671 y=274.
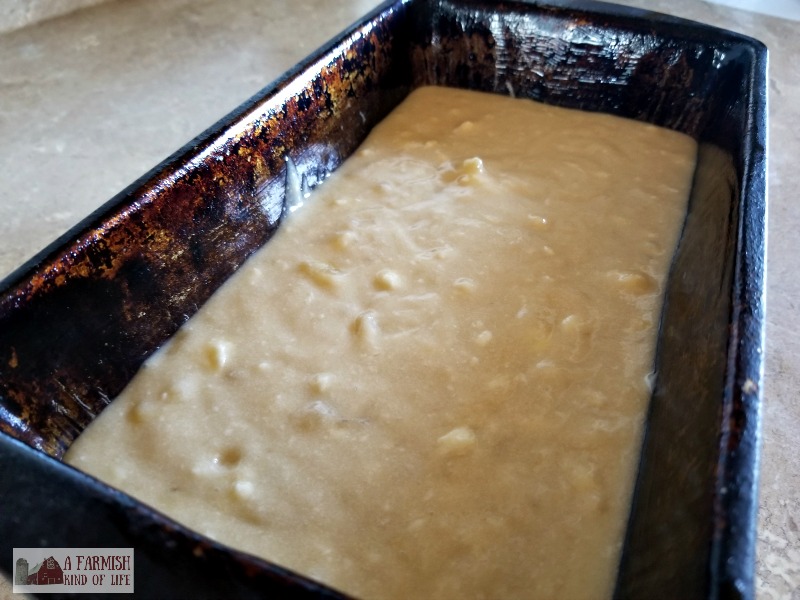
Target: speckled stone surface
x=15 y=14
x=91 y=100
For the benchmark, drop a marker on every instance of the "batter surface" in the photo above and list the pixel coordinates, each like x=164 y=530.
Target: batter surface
x=432 y=382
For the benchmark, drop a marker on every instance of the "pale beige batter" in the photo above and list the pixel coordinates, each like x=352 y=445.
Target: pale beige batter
x=432 y=382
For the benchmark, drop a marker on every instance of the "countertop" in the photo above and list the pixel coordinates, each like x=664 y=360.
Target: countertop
x=91 y=100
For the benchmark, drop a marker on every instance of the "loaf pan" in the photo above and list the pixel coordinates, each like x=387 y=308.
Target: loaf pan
x=78 y=320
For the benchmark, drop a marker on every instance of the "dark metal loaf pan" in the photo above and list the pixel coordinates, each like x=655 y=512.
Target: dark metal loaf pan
x=77 y=321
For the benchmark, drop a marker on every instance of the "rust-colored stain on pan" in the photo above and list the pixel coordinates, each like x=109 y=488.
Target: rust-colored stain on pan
x=77 y=325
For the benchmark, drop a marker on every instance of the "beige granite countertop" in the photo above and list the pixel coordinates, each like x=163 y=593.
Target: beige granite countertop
x=91 y=100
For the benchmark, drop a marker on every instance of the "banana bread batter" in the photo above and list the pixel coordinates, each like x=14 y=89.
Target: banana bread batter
x=432 y=382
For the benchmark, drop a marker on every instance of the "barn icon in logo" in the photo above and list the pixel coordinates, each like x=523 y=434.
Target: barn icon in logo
x=46 y=572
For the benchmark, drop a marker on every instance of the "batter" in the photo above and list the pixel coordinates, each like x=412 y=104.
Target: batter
x=432 y=382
